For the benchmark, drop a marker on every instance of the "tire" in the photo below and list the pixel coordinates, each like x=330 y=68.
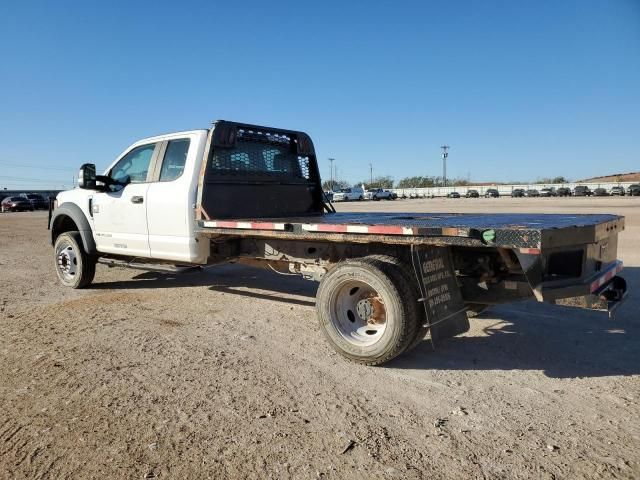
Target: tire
x=375 y=286
x=74 y=267
x=360 y=198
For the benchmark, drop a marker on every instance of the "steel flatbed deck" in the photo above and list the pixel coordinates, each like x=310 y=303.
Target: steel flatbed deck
x=528 y=232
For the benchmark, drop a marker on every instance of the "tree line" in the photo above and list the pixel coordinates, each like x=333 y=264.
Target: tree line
x=421 y=182
x=388 y=182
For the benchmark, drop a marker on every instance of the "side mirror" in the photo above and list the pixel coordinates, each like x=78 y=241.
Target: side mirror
x=87 y=176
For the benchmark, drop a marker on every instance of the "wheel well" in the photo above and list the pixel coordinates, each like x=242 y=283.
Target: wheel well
x=62 y=224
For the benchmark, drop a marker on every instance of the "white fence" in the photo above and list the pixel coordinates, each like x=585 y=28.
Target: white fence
x=503 y=189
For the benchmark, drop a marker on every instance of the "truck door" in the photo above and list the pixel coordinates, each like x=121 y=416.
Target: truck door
x=120 y=215
x=172 y=199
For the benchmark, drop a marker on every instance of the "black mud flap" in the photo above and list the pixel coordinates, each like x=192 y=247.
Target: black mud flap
x=443 y=304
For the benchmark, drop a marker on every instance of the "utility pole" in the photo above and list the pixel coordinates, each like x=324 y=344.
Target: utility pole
x=445 y=154
x=370 y=174
x=331 y=160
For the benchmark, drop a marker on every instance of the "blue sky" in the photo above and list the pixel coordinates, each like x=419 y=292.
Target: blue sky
x=518 y=89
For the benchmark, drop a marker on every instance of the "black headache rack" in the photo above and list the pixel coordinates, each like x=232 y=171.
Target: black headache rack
x=255 y=171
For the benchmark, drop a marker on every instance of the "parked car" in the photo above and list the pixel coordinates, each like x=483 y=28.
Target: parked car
x=532 y=192
x=563 y=192
x=581 y=191
x=634 y=190
x=517 y=192
x=619 y=191
x=548 y=192
x=600 y=192
x=38 y=201
x=379 y=194
x=492 y=193
x=347 y=194
x=453 y=195
x=472 y=194
x=16 y=204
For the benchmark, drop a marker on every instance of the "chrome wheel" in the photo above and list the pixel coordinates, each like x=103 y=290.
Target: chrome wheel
x=358 y=313
x=67 y=260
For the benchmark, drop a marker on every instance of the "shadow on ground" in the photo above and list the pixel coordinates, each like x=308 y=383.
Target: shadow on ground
x=232 y=279
x=561 y=341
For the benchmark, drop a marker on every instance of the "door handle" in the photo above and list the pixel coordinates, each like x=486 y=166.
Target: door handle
x=137 y=199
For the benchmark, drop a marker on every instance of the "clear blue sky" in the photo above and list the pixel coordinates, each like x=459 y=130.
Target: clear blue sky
x=518 y=89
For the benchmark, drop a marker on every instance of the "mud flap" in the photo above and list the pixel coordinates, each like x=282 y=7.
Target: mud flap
x=444 y=307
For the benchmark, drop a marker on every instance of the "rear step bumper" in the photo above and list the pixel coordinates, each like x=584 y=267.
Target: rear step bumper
x=606 y=292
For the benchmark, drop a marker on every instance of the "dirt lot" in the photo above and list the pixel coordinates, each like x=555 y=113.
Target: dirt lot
x=224 y=374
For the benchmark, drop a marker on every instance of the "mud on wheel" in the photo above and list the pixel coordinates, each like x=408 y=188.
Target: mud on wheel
x=367 y=309
x=75 y=268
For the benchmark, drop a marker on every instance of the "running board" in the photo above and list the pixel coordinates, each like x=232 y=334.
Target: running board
x=149 y=267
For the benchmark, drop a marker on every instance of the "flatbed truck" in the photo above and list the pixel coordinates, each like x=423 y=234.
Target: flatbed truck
x=251 y=194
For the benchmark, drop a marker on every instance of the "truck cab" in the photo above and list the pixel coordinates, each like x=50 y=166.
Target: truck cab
x=148 y=206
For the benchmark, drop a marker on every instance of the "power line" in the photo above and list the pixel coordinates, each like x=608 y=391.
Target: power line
x=30 y=180
x=17 y=165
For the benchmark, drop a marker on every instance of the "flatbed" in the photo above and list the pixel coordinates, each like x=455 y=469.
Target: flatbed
x=529 y=232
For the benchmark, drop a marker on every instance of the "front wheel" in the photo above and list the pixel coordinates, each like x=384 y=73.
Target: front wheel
x=75 y=268
x=367 y=309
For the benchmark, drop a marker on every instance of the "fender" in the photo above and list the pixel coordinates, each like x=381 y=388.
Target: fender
x=75 y=213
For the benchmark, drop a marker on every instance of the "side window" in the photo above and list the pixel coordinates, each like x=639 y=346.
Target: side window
x=174 y=159
x=134 y=166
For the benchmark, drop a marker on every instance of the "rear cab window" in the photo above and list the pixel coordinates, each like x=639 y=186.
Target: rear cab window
x=174 y=160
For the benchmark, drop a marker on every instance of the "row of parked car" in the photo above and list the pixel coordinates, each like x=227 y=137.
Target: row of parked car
x=359 y=193
x=578 y=191
x=23 y=203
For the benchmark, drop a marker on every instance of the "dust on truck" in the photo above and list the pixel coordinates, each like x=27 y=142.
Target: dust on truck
x=250 y=194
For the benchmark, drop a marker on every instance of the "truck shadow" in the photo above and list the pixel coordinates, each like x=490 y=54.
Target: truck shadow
x=231 y=279
x=562 y=342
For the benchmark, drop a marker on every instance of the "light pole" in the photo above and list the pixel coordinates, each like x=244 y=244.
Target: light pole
x=331 y=160
x=370 y=174
x=445 y=154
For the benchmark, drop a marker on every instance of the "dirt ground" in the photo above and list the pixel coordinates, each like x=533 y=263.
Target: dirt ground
x=224 y=374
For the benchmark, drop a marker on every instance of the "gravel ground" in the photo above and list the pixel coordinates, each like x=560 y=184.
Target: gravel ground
x=224 y=374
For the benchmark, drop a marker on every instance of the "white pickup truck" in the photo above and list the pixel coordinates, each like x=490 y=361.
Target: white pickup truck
x=250 y=194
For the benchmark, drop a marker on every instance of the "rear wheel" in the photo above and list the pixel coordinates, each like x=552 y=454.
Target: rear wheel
x=367 y=309
x=75 y=268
